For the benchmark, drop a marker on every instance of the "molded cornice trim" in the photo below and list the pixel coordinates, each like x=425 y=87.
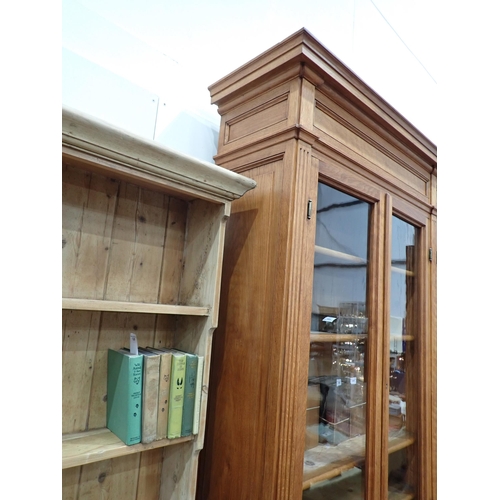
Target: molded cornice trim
x=303 y=48
x=83 y=134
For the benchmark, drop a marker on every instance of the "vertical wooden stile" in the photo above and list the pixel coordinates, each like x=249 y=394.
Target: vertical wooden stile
x=300 y=254
x=425 y=381
x=385 y=358
x=433 y=332
x=375 y=368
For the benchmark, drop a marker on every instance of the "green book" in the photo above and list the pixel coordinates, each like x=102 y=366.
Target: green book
x=177 y=384
x=124 y=399
x=189 y=394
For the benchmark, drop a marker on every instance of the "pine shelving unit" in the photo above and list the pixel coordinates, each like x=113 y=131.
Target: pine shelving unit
x=143 y=232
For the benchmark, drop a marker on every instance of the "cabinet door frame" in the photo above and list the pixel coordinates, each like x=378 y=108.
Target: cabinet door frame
x=423 y=342
x=385 y=204
x=351 y=183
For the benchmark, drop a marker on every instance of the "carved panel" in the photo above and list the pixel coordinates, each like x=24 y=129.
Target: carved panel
x=263 y=116
x=354 y=139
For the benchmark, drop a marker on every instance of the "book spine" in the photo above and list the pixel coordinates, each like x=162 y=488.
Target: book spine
x=151 y=374
x=189 y=394
x=197 y=396
x=124 y=396
x=135 y=400
x=163 y=395
x=177 y=385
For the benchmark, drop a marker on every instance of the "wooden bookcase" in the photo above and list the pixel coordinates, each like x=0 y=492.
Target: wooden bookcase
x=143 y=230
x=293 y=119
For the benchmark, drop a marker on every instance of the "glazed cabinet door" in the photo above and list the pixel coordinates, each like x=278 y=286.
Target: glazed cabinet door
x=366 y=413
x=402 y=329
x=336 y=415
x=407 y=357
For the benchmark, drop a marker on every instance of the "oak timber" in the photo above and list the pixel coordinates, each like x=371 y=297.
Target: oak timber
x=290 y=118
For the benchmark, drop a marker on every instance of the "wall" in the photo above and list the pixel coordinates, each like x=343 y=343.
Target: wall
x=145 y=66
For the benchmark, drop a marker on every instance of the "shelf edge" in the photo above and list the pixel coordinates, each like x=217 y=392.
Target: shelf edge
x=132 y=307
x=106 y=446
x=395 y=444
x=336 y=337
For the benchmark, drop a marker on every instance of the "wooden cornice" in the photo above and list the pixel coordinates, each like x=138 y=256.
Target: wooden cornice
x=93 y=141
x=303 y=55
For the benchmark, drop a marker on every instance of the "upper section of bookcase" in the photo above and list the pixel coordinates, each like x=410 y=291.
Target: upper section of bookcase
x=303 y=55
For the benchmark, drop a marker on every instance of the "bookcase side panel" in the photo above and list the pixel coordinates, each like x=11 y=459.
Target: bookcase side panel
x=246 y=346
x=203 y=255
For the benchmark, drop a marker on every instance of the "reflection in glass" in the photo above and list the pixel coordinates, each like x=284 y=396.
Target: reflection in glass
x=402 y=334
x=336 y=406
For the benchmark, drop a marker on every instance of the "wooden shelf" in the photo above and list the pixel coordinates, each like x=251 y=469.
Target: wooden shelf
x=345 y=337
x=339 y=337
x=336 y=337
x=350 y=483
x=398 y=442
x=132 y=307
x=396 y=495
x=326 y=461
x=355 y=259
x=403 y=337
x=340 y=255
x=398 y=270
x=101 y=444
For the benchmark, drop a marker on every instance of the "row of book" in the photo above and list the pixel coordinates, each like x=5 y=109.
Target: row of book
x=153 y=394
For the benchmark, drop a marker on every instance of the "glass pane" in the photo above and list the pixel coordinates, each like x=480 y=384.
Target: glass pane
x=336 y=406
x=402 y=335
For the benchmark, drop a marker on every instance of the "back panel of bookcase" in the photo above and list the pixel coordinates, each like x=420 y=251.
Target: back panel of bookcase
x=131 y=477
x=120 y=241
